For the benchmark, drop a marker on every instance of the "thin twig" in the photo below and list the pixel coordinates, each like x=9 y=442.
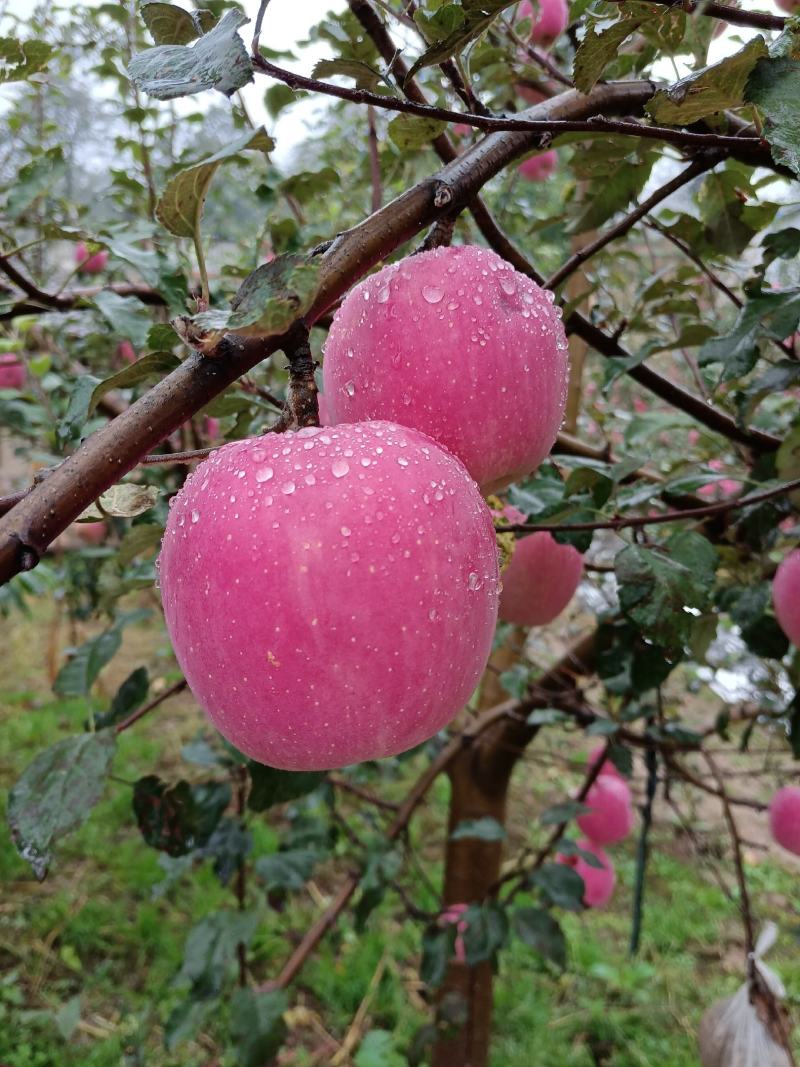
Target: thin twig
x=178 y=687
x=744 y=896
x=262 y=7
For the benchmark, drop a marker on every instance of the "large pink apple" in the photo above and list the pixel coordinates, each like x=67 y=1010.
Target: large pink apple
x=541 y=578
x=784 y=818
x=331 y=594
x=786 y=596
x=90 y=263
x=12 y=371
x=598 y=882
x=550 y=22
x=537 y=168
x=611 y=816
x=456 y=343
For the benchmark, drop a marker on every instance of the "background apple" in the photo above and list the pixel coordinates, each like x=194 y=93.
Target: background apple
x=12 y=371
x=786 y=596
x=88 y=262
x=611 y=815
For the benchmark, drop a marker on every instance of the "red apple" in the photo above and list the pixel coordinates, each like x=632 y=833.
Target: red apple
x=331 y=594
x=551 y=21
x=93 y=533
x=126 y=352
x=786 y=596
x=540 y=580
x=784 y=818
x=722 y=489
x=611 y=816
x=598 y=882
x=459 y=345
x=537 y=168
x=789 y=6
x=212 y=427
x=88 y=262
x=461 y=129
x=12 y=371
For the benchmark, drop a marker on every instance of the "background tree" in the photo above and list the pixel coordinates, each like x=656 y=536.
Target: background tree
x=667 y=233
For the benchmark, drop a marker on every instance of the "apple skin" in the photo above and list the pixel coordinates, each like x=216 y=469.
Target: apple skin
x=126 y=352
x=456 y=343
x=462 y=129
x=541 y=578
x=539 y=167
x=211 y=426
x=88 y=263
x=12 y=371
x=331 y=593
x=599 y=882
x=451 y=916
x=784 y=818
x=552 y=20
x=722 y=489
x=611 y=817
x=93 y=533
x=786 y=596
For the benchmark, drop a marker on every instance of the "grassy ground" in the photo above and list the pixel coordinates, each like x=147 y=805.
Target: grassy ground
x=94 y=930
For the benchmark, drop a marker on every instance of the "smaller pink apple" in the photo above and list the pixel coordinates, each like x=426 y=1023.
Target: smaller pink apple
x=640 y=405
x=551 y=21
x=126 y=352
x=93 y=533
x=461 y=129
x=541 y=578
x=608 y=767
x=611 y=816
x=598 y=882
x=90 y=263
x=786 y=596
x=722 y=489
x=12 y=371
x=693 y=436
x=539 y=167
x=784 y=818
x=529 y=94
x=212 y=427
x=452 y=916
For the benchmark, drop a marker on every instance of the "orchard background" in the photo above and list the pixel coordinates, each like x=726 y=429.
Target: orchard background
x=167 y=900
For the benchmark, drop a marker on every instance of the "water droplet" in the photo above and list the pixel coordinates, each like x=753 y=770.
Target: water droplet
x=474 y=582
x=433 y=614
x=383 y=294
x=263 y=474
x=346 y=531
x=195 y=516
x=258 y=455
x=288 y=488
x=507 y=284
x=350 y=387
x=402 y=461
x=432 y=294
x=310 y=479
x=339 y=468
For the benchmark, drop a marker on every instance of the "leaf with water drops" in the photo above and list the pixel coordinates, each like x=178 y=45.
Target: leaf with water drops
x=219 y=60
x=56 y=793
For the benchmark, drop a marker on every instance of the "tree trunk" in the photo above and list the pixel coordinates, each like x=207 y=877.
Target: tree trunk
x=479 y=781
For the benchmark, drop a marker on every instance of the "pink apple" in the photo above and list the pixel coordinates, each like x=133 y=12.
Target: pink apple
x=786 y=596
x=211 y=426
x=784 y=818
x=461 y=129
x=456 y=343
x=722 y=489
x=451 y=916
x=551 y=21
x=540 y=580
x=12 y=371
x=88 y=262
x=93 y=533
x=693 y=436
x=598 y=882
x=611 y=816
x=331 y=593
x=537 y=168
x=126 y=352
x=608 y=767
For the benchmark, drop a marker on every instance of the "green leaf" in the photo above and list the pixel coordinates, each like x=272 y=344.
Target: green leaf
x=34 y=180
x=478 y=17
x=211 y=949
x=483 y=829
x=68 y=1016
x=409 y=132
x=20 y=59
x=168 y=23
x=180 y=206
x=130 y=695
x=275 y=295
x=561 y=885
x=378 y=1050
x=598 y=48
x=219 y=60
x=540 y=931
x=309 y=185
x=177 y=819
x=278 y=97
x=78 y=408
x=257 y=1026
x=78 y=674
x=185 y=1020
x=564 y=812
x=709 y=90
x=287 y=870
x=365 y=76
x=269 y=786
x=138 y=539
x=774 y=87
x=486 y=932
x=437 y=949
x=656 y=586
x=127 y=316
x=153 y=365
x=56 y=793
x=614 y=172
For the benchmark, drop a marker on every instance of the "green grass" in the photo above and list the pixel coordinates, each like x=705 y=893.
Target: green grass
x=95 y=929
